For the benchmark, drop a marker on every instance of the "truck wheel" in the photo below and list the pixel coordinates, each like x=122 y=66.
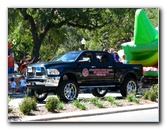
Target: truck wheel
x=68 y=90
x=30 y=92
x=129 y=86
x=40 y=96
x=99 y=92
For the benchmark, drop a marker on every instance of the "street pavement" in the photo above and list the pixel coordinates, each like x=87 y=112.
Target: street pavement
x=49 y=117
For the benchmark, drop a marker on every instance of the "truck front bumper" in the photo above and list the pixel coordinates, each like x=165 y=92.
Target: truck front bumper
x=47 y=82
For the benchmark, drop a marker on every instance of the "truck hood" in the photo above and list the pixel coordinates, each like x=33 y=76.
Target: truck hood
x=48 y=64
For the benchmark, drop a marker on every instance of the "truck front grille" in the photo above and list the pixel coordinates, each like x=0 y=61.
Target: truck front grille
x=35 y=71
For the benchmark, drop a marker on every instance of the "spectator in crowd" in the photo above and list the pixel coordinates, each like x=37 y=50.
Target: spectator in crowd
x=15 y=67
x=24 y=63
x=13 y=85
x=123 y=60
x=116 y=56
x=10 y=63
x=23 y=84
x=111 y=51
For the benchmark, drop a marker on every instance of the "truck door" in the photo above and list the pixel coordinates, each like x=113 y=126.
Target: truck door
x=104 y=68
x=85 y=65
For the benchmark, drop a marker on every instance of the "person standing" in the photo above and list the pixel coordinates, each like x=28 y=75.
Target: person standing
x=12 y=85
x=23 y=84
x=15 y=67
x=111 y=51
x=24 y=63
x=10 y=63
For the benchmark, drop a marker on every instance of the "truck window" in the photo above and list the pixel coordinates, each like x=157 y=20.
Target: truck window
x=104 y=58
x=66 y=57
x=101 y=57
x=86 y=57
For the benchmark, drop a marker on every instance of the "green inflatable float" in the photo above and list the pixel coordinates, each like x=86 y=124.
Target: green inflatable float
x=144 y=49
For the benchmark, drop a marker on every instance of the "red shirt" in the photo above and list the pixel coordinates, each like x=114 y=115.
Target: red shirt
x=10 y=60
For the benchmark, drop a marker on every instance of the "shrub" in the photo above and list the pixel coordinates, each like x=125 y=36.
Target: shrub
x=60 y=105
x=9 y=107
x=146 y=95
x=96 y=102
x=132 y=98
x=117 y=103
x=34 y=103
x=110 y=99
x=26 y=106
x=154 y=89
x=152 y=93
x=52 y=103
x=152 y=96
x=136 y=100
x=79 y=105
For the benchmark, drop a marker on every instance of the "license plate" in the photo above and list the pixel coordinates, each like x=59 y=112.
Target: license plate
x=38 y=69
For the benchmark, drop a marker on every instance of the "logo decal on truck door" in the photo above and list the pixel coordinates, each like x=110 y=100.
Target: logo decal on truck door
x=101 y=72
x=85 y=72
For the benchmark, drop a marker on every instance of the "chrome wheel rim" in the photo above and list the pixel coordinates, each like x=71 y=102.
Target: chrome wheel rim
x=101 y=91
x=38 y=94
x=70 y=91
x=131 y=87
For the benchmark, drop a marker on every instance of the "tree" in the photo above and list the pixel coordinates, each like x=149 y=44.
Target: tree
x=153 y=15
x=42 y=20
x=46 y=31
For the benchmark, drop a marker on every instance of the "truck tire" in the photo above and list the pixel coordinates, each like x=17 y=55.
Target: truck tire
x=40 y=96
x=30 y=92
x=68 y=90
x=99 y=92
x=129 y=86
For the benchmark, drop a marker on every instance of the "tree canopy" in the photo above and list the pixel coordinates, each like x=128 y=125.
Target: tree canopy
x=45 y=32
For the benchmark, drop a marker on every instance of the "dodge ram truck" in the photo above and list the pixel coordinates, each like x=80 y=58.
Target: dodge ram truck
x=68 y=73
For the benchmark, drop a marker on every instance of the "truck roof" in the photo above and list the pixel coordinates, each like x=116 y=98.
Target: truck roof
x=87 y=51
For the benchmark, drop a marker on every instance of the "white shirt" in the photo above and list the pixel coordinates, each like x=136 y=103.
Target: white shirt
x=124 y=61
x=16 y=67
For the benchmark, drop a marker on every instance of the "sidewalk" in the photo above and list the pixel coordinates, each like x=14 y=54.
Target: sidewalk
x=45 y=118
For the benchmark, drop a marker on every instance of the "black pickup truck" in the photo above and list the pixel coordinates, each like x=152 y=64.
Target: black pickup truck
x=69 y=72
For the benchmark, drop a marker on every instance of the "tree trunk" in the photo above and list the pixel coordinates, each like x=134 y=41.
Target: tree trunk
x=36 y=49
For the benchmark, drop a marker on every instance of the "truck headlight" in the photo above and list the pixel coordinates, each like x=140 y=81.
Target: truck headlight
x=52 y=72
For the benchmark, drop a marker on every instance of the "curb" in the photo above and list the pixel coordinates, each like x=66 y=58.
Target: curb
x=85 y=113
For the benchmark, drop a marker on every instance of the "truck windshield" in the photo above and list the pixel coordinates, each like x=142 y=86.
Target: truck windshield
x=66 y=57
